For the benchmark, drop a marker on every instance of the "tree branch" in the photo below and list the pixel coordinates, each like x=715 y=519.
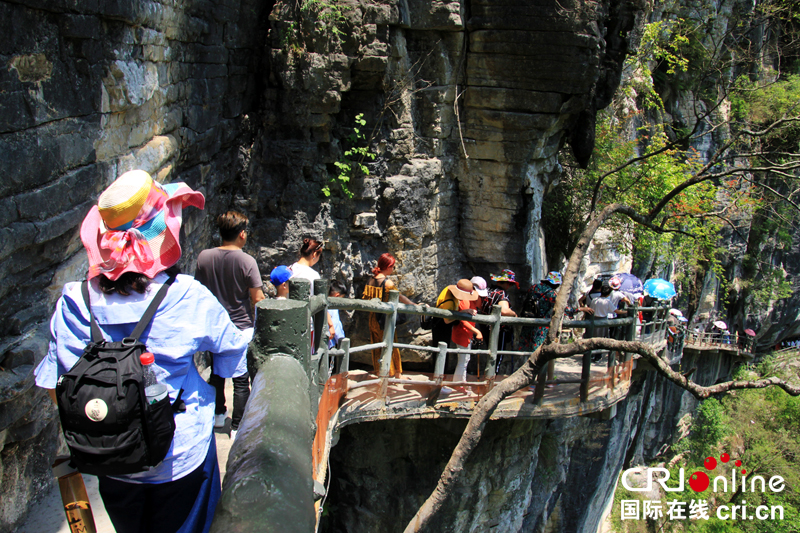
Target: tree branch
x=525 y=375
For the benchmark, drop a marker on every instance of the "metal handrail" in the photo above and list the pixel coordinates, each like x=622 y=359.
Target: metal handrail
x=721 y=339
x=652 y=330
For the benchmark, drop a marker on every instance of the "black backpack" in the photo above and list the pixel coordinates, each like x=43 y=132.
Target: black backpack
x=108 y=425
x=531 y=306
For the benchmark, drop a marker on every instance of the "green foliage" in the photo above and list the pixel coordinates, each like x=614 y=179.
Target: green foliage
x=329 y=13
x=756 y=105
x=710 y=427
x=690 y=235
x=351 y=164
x=758 y=427
x=661 y=42
x=318 y=21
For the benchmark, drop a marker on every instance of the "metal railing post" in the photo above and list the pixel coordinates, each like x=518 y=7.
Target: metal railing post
x=320 y=317
x=494 y=339
x=635 y=316
x=388 y=334
x=441 y=357
x=344 y=366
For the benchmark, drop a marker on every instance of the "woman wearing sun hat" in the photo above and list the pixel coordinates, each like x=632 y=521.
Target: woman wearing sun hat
x=544 y=294
x=131 y=238
x=450 y=299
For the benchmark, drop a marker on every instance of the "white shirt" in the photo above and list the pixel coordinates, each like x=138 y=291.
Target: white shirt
x=606 y=305
x=304 y=272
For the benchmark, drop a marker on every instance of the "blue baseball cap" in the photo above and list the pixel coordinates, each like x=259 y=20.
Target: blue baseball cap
x=280 y=274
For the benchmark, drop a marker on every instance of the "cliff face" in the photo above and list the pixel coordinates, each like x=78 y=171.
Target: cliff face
x=89 y=90
x=466 y=103
x=526 y=475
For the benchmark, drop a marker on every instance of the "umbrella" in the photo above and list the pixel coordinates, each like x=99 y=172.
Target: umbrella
x=630 y=283
x=660 y=289
x=720 y=324
x=750 y=332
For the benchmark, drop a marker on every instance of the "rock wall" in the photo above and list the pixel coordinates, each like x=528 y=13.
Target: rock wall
x=89 y=90
x=525 y=475
x=466 y=104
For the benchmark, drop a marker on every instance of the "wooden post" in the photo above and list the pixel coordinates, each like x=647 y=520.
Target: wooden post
x=541 y=381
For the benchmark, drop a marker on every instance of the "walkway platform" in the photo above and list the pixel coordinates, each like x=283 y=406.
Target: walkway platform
x=363 y=404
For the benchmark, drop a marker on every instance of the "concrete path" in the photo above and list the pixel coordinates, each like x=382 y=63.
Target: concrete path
x=47 y=515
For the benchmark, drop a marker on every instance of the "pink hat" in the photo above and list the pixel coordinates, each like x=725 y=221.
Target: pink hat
x=480 y=286
x=135 y=226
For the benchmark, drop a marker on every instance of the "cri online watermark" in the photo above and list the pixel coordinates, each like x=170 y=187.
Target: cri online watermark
x=698 y=482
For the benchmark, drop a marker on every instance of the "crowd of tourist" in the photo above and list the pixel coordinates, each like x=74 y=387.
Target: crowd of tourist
x=132 y=240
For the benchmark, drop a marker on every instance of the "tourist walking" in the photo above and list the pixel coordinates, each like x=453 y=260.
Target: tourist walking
x=132 y=241
x=279 y=277
x=498 y=294
x=449 y=299
x=378 y=286
x=539 y=303
x=310 y=254
x=463 y=332
x=605 y=305
x=233 y=277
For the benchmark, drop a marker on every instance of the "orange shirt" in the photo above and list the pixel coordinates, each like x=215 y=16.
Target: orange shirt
x=461 y=335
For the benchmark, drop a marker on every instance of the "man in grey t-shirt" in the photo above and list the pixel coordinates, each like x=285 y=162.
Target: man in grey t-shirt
x=232 y=276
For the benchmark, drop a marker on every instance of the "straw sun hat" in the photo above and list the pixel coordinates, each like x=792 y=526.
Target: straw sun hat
x=135 y=226
x=463 y=290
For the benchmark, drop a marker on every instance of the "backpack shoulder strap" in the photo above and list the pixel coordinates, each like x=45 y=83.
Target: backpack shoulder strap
x=151 y=309
x=97 y=335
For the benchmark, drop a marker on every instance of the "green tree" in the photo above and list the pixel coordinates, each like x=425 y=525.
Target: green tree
x=732 y=168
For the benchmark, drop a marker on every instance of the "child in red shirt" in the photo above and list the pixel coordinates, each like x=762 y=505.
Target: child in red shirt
x=462 y=337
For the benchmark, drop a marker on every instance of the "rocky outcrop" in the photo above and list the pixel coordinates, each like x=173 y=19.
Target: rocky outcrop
x=525 y=475
x=254 y=103
x=87 y=91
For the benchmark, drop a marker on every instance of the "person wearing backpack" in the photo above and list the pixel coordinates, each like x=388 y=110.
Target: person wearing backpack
x=132 y=241
x=539 y=303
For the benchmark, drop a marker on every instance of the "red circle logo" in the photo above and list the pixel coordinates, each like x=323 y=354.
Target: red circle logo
x=725 y=457
x=699 y=481
x=710 y=463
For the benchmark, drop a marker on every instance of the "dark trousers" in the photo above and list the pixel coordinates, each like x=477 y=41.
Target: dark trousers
x=241 y=392
x=185 y=505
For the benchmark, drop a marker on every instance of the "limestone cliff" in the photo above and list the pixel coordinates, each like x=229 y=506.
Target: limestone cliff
x=526 y=475
x=467 y=105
